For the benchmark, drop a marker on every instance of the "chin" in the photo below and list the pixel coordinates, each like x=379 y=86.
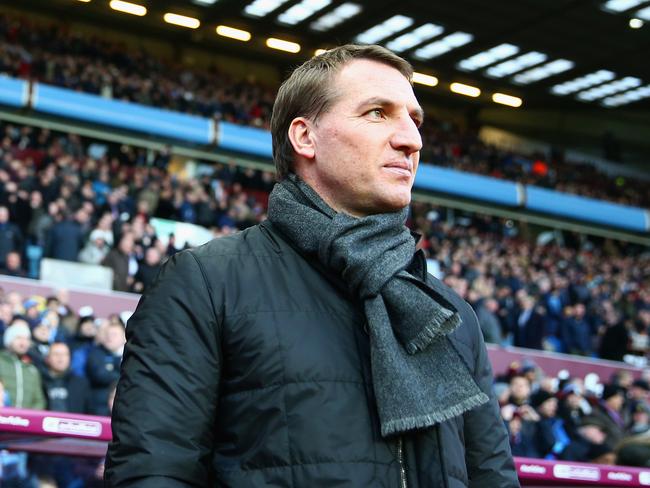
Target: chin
x=395 y=203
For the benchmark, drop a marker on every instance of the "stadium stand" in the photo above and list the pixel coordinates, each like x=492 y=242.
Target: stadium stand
x=77 y=199
x=53 y=55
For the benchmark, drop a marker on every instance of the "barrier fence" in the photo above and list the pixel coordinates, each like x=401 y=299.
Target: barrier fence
x=44 y=432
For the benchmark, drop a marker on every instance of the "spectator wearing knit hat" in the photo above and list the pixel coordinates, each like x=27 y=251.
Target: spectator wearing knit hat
x=21 y=379
x=609 y=412
x=551 y=438
x=638 y=394
x=573 y=406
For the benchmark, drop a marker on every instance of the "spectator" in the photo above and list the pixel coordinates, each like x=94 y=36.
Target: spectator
x=519 y=390
x=635 y=452
x=103 y=367
x=84 y=341
x=615 y=336
x=529 y=330
x=637 y=394
x=21 y=379
x=486 y=314
x=576 y=331
x=65 y=239
x=40 y=346
x=148 y=270
x=31 y=314
x=572 y=408
x=96 y=249
x=65 y=391
x=11 y=238
x=122 y=262
x=14 y=265
x=609 y=413
x=640 y=419
x=591 y=442
x=40 y=219
x=551 y=438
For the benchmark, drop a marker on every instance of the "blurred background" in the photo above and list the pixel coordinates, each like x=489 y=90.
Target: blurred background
x=132 y=130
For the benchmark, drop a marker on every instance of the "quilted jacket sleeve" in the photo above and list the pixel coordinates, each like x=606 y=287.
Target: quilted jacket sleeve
x=165 y=407
x=487 y=450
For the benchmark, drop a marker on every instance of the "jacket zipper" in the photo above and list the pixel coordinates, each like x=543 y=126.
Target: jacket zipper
x=402 y=466
x=19 y=384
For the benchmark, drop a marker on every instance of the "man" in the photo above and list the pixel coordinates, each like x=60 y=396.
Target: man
x=65 y=238
x=576 y=332
x=95 y=249
x=148 y=269
x=312 y=350
x=487 y=317
x=529 y=330
x=13 y=265
x=11 y=239
x=103 y=366
x=21 y=379
x=609 y=411
x=65 y=391
x=122 y=262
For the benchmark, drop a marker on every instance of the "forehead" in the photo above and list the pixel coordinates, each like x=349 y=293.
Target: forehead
x=58 y=348
x=365 y=78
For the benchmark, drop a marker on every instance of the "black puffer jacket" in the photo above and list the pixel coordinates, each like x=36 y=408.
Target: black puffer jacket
x=246 y=366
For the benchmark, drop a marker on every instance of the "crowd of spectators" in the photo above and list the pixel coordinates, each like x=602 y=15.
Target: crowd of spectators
x=55 y=358
x=68 y=198
x=576 y=419
x=83 y=200
x=581 y=296
x=58 y=55
x=585 y=297
x=55 y=55
x=56 y=201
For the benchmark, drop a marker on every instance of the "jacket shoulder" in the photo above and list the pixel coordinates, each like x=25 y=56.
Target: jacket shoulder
x=249 y=242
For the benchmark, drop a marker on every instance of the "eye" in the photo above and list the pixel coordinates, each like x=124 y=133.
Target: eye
x=376 y=113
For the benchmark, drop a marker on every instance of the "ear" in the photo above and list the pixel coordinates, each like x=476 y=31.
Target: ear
x=301 y=137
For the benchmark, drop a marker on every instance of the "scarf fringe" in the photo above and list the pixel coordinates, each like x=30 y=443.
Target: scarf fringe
x=431 y=332
x=401 y=425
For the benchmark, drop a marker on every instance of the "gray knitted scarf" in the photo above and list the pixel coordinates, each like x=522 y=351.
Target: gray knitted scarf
x=418 y=377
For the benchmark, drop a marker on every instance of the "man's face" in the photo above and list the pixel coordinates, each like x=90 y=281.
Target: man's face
x=520 y=388
x=592 y=433
x=367 y=145
x=58 y=359
x=20 y=345
x=548 y=408
x=13 y=260
x=114 y=339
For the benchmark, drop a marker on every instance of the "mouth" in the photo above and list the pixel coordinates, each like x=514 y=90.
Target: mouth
x=401 y=168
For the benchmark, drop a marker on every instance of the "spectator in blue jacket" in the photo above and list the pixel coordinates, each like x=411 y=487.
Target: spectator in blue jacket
x=65 y=239
x=103 y=366
x=576 y=331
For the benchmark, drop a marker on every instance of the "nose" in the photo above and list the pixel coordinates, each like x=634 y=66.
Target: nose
x=406 y=137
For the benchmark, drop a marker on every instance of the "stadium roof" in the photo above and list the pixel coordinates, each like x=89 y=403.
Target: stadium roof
x=559 y=54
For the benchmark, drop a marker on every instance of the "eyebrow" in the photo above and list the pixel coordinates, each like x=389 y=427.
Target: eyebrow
x=417 y=113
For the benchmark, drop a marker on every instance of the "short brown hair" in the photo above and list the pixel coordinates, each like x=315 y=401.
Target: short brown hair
x=308 y=93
